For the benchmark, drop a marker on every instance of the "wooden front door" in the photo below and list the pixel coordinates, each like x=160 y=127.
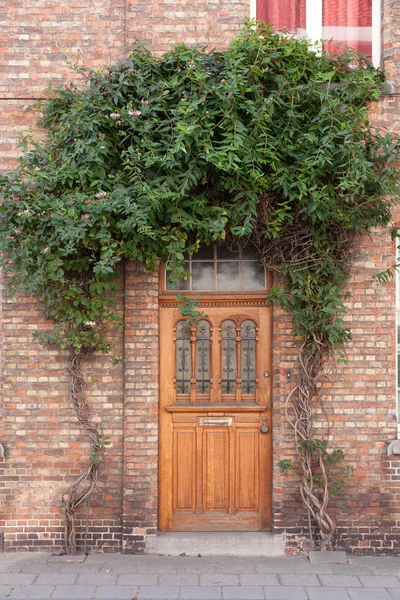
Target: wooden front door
x=215 y=412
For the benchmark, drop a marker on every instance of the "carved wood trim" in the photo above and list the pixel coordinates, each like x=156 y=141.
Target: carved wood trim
x=239 y=302
x=212 y=408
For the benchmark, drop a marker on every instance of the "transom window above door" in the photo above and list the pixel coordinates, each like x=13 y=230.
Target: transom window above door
x=216 y=268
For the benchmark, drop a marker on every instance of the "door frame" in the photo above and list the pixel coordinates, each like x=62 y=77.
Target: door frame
x=238 y=300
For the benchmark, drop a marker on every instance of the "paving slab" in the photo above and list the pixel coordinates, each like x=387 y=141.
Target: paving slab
x=138 y=579
x=259 y=579
x=369 y=594
x=23 y=592
x=220 y=579
x=19 y=579
x=200 y=592
x=305 y=579
x=340 y=581
x=66 y=558
x=242 y=592
x=37 y=568
x=285 y=593
x=175 y=579
x=74 y=591
x=160 y=591
x=94 y=578
x=122 y=592
x=55 y=579
x=333 y=593
x=335 y=557
x=376 y=581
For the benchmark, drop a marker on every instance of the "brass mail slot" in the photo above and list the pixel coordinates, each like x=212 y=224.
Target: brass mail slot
x=216 y=421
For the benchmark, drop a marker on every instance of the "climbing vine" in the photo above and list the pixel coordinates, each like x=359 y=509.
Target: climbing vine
x=267 y=142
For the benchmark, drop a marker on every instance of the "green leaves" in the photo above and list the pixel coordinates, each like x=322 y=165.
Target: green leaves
x=153 y=157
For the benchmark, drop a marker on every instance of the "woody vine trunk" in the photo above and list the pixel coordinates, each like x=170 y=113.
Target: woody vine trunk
x=300 y=412
x=82 y=488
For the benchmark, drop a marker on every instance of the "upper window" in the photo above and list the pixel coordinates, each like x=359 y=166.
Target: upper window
x=218 y=269
x=350 y=23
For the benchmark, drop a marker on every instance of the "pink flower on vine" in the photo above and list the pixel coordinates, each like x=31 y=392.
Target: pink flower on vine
x=134 y=113
x=144 y=102
x=87 y=202
x=85 y=217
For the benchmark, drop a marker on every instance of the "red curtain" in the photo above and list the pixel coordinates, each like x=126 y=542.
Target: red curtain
x=349 y=22
x=345 y=21
x=284 y=14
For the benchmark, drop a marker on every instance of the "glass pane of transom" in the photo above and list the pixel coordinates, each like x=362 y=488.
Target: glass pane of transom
x=249 y=253
x=223 y=253
x=202 y=276
x=228 y=276
x=253 y=276
x=204 y=253
x=180 y=284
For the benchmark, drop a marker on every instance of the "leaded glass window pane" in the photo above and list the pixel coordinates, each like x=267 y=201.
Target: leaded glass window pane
x=180 y=284
x=203 y=357
x=248 y=359
x=204 y=253
x=224 y=253
x=228 y=277
x=249 y=252
x=228 y=357
x=203 y=276
x=217 y=268
x=183 y=358
x=253 y=276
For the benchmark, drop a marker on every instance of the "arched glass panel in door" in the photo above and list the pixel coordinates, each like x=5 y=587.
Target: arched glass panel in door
x=248 y=357
x=228 y=358
x=183 y=373
x=203 y=367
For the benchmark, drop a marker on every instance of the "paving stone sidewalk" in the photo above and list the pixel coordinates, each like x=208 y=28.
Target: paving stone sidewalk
x=112 y=576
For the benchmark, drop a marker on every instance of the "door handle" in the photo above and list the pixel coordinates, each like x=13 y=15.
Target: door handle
x=264 y=429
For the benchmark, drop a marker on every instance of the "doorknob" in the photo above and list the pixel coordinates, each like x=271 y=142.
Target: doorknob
x=264 y=429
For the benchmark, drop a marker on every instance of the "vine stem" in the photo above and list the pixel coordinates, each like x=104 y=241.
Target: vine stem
x=82 y=488
x=299 y=413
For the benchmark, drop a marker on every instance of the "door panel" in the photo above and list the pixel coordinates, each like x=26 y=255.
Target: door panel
x=247 y=469
x=215 y=464
x=185 y=483
x=216 y=470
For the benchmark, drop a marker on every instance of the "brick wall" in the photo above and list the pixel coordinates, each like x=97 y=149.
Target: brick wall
x=44 y=449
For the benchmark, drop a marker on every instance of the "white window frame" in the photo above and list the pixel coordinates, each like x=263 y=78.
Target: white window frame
x=397 y=335
x=314 y=24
